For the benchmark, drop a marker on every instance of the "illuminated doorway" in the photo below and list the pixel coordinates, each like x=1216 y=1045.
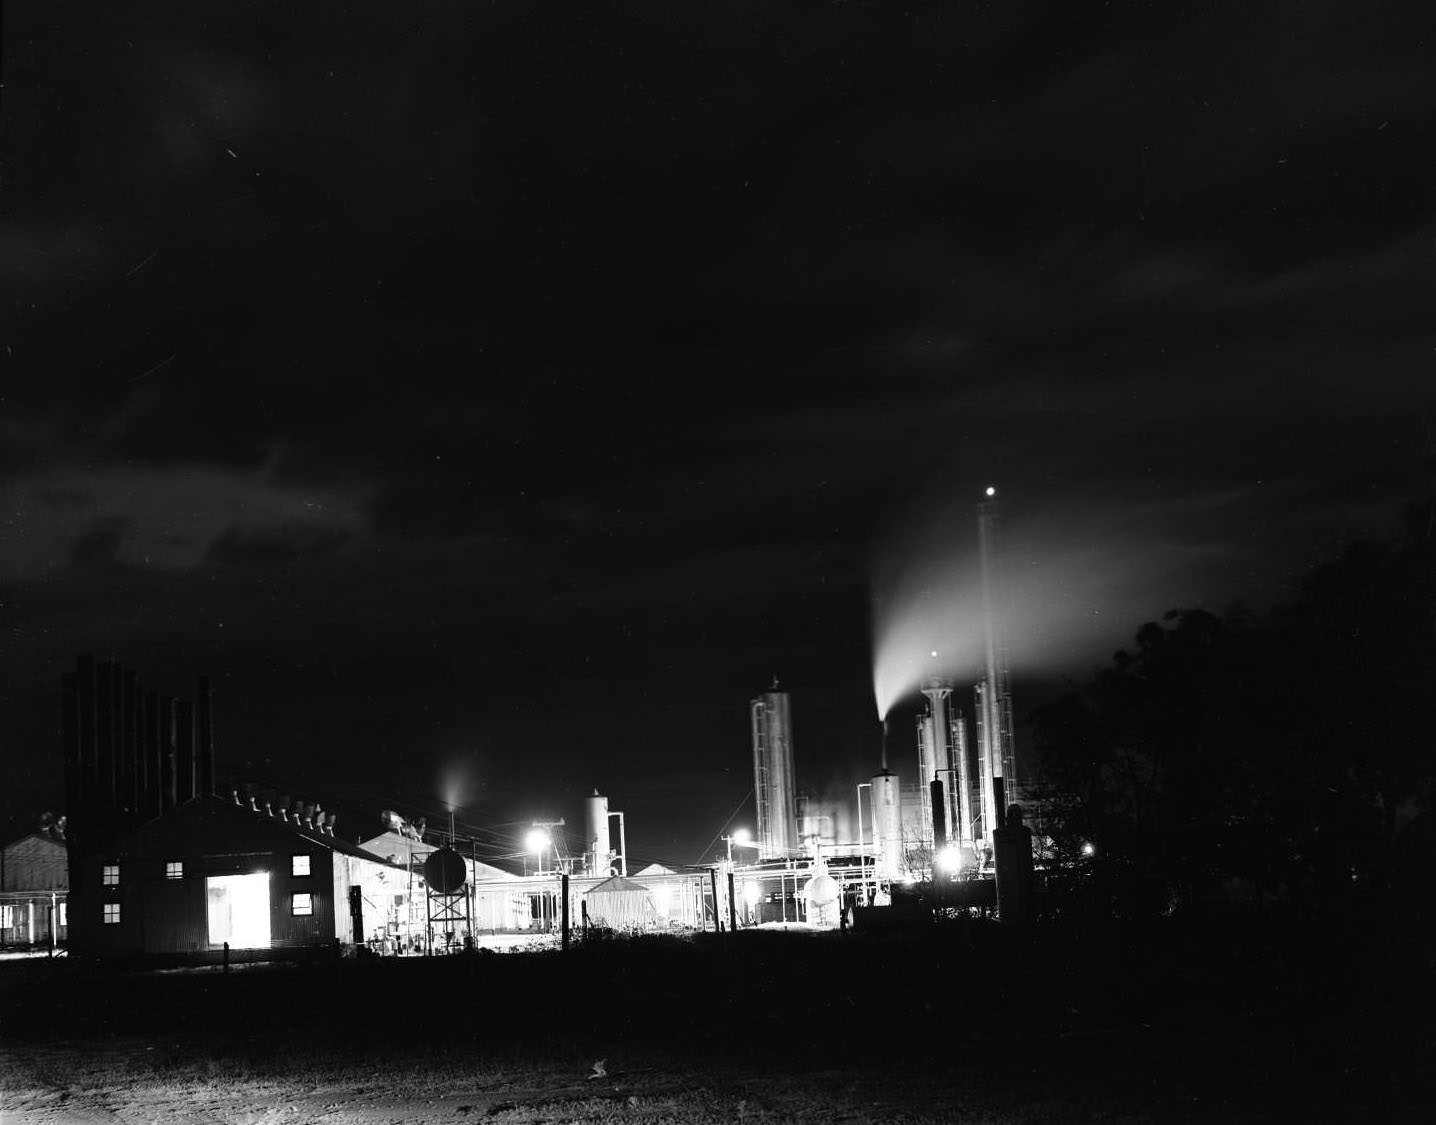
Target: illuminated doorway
x=238 y=910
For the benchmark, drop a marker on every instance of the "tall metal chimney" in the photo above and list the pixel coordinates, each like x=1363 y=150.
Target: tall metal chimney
x=85 y=733
x=184 y=750
x=204 y=735
x=104 y=795
x=154 y=754
x=129 y=741
x=70 y=732
x=998 y=748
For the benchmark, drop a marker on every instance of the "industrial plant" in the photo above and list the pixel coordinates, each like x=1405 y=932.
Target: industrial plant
x=166 y=860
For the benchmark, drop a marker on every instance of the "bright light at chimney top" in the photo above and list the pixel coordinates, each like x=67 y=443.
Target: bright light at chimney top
x=537 y=841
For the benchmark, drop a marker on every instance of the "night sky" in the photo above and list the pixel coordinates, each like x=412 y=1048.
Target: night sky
x=492 y=398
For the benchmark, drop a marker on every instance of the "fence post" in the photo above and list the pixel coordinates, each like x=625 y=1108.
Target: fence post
x=564 y=884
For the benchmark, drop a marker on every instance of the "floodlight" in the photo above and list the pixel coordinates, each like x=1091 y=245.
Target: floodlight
x=742 y=836
x=949 y=860
x=537 y=841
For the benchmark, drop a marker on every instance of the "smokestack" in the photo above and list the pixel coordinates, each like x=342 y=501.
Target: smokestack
x=154 y=755
x=70 y=729
x=129 y=741
x=169 y=751
x=204 y=737
x=104 y=793
x=85 y=733
x=116 y=723
x=281 y=804
x=184 y=749
x=885 y=746
x=142 y=751
x=329 y=823
x=234 y=794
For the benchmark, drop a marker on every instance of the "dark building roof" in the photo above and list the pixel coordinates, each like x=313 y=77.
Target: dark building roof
x=219 y=811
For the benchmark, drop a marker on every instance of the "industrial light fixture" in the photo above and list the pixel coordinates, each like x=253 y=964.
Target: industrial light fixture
x=949 y=860
x=537 y=841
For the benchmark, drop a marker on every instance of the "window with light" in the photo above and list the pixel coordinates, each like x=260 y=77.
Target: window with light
x=112 y=913
x=303 y=904
x=174 y=869
x=300 y=865
x=110 y=875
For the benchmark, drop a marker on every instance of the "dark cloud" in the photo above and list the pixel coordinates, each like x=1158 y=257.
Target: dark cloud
x=98 y=548
x=525 y=377
x=248 y=547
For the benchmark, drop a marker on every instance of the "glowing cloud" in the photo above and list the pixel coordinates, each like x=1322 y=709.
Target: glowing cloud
x=1075 y=585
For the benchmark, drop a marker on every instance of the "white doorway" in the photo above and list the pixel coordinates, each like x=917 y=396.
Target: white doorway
x=238 y=910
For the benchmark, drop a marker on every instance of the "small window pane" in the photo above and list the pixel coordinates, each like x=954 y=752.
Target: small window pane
x=112 y=913
x=174 y=869
x=303 y=904
x=301 y=865
x=64 y=913
x=111 y=875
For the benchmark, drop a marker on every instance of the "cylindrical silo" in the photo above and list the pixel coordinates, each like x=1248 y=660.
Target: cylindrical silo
x=600 y=855
x=773 y=777
x=887 y=823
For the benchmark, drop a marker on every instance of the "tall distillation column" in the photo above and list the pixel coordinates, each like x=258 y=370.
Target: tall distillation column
x=887 y=819
x=773 y=778
x=939 y=732
x=996 y=747
x=596 y=839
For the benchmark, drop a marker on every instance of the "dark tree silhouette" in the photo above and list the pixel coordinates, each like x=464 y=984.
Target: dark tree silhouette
x=1277 y=758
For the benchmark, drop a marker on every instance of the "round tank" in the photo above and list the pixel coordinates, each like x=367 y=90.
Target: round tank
x=600 y=854
x=822 y=890
x=887 y=823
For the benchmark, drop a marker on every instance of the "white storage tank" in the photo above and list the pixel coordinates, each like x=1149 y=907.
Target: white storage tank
x=600 y=854
x=887 y=823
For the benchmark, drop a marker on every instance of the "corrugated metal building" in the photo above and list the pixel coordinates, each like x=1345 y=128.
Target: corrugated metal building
x=34 y=885
x=211 y=871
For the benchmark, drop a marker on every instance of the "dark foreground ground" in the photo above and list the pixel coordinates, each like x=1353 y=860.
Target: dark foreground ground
x=957 y=1022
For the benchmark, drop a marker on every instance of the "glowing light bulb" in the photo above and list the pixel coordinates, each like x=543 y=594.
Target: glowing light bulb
x=742 y=836
x=991 y=491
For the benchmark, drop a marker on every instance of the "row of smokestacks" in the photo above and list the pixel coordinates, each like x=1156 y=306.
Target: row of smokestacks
x=133 y=754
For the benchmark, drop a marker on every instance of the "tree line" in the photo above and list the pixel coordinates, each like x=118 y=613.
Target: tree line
x=1282 y=758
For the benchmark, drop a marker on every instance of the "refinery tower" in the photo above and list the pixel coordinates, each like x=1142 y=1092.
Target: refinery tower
x=773 y=777
x=997 y=758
